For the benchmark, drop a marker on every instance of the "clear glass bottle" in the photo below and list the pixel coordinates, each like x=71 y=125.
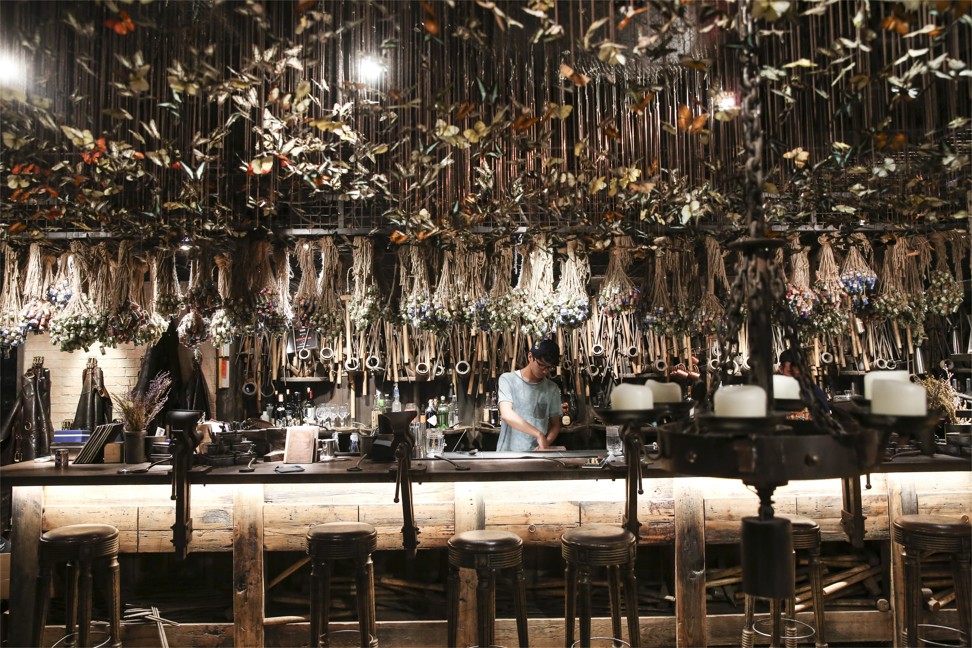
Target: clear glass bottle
x=494 y=417
x=375 y=411
x=396 y=405
x=453 y=412
x=431 y=419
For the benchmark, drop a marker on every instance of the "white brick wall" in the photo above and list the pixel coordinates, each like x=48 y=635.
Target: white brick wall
x=120 y=366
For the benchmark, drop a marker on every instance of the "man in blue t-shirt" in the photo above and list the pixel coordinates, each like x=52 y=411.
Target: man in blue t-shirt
x=529 y=402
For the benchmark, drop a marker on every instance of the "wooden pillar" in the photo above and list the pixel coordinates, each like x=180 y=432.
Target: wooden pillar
x=902 y=500
x=690 y=609
x=28 y=515
x=248 y=586
x=470 y=515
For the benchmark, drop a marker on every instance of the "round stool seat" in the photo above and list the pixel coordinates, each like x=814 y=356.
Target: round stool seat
x=92 y=540
x=335 y=540
x=932 y=532
x=804 y=531
x=484 y=548
x=598 y=544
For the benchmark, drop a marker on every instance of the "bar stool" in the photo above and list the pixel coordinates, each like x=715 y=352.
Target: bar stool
x=600 y=545
x=335 y=542
x=78 y=545
x=487 y=552
x=805 y=534
x=926 y=533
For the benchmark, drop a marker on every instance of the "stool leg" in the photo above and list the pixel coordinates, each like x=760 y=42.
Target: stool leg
x=961 y=574
x=367 y=625
x=485 y=605
x=42 y=599
x=584 y=608
x=912 y=576
x=318 y=608
x=570 y=603
x=71 y=603
x=84 y=605
x=614 y=597
x=519 y=602
x=631 y=602
x=816 y=582
x=452 y=616
x=747 y=631
x=775 y=605
x=115 y=602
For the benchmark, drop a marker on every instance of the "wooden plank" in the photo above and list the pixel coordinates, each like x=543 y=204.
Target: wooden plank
x=160 y=541
x=248 y=591
x=690 y=608
x=27 y=506
x=902 y=500
x=470 y=514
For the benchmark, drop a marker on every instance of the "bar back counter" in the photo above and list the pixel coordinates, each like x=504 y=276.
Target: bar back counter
x=249 y=514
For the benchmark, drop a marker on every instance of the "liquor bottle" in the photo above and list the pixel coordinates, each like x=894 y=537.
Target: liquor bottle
x=453 y=412
x=308 y=408
x=375 y=411
x=396 y=405
x=431 y=420
x=442 y=413
x=565 y=413
x=494 y=417
x=486 y=408
x=289 y=407
x=280 y=412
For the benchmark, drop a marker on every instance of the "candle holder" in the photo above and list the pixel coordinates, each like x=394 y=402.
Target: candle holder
x=917 y=431
x=788 y=405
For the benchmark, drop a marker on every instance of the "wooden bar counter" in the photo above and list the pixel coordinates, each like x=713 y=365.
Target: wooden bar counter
x=537 y=498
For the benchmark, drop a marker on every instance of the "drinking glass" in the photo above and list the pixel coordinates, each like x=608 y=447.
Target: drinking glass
x=434 y=443
x=344 y=413
x=612 y=434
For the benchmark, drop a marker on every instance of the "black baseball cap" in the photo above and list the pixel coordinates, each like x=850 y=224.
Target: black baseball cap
x=546 y=350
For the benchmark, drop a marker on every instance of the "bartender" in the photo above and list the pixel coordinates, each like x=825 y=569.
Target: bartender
x=529 y=402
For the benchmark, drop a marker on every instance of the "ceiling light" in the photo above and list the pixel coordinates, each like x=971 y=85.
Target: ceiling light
x=371 y=68
x=13 y=72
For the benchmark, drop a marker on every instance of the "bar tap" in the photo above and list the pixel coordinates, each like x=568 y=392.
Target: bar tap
x=185 y=439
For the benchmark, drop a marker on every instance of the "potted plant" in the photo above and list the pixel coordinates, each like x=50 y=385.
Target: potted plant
x=137 y=411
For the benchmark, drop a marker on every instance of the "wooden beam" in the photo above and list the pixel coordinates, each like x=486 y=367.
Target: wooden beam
x=248 y=591
x=690 y=609
x=27 y=513
x=902 y=500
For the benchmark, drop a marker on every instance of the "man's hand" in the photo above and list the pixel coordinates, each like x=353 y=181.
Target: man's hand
x=542 y=443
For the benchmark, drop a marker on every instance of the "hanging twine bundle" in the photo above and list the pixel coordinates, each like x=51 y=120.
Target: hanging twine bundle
x=944 y=295
x=502 y=300
x=280 y=314
x=416 y=306
x=305 y=299
x=830 y=317
x=439 y=315
x=659 y=316
x=328 y=312
x=538 y=308
x=168 y=295
x=220 y=326
x=59 y=289
x=959 y=242
x=857 y=276
x=78 y=325
x=364 y=308
x=203 y=295
x=711 y=309
x=144 y=293
x=618 y=294
x=36 y=311
x=800 y=299
x=916 y=265
x=572 y=303
x=13 y=329
x=472 y=298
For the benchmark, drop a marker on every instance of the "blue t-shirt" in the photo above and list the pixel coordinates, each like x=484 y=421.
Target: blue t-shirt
x=536 y=403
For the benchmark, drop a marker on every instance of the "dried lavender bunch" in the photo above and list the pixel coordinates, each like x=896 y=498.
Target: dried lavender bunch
x=138 y=409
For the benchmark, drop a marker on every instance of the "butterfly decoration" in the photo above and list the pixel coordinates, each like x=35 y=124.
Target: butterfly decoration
x=431 y=22
x=260 y=166
x=578 y=79
x=689 y=123
x=799 y=156
x=121 y=25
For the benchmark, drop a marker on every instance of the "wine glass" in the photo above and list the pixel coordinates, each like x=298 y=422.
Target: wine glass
x=344 y=412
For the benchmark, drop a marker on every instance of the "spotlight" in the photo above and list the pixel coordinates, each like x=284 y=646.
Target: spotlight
x=13 y=72
x=726 y=100
x=371 y=68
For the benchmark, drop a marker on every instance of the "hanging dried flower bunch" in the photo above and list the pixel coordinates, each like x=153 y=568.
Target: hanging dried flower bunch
x=203 y=296
x=830 y=316
x=618 y=294
x=220 y=326
x=364 y=308
x=416 y=304
x=711 y=309
x=502 y=300
x=125 y=317
x=305 y=299
x=659 y=316
x=890 y=301
x=572 y=303
x=538 y=309
x=945 y=294
x=12 y=328
x=37 y=311
x=168 y=295
x=281 y=314
x=328 y=312
x=916 y=264
x=78 y=325
x=857 y=276
x=156 y=325
x=471 y=298
x=59 y=290
x=439 y=315
x=800 y=299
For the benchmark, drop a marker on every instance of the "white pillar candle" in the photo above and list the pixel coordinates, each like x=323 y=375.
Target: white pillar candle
x=896 y=398
x=631 y=397
x=871 y=376
x=664 y=392
x=740 y=401
x=786 y=387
